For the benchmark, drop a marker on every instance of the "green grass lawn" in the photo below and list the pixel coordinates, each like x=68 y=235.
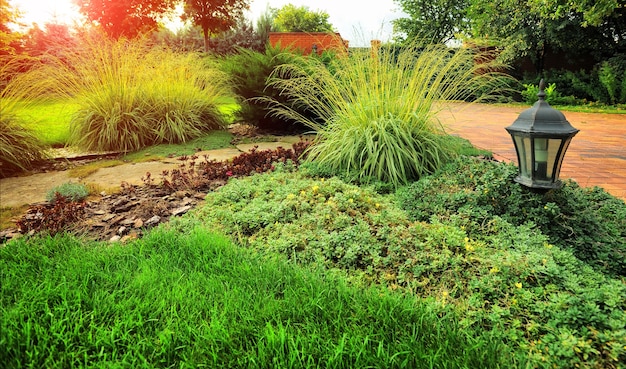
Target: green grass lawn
x=194 y=299
x=50 y=121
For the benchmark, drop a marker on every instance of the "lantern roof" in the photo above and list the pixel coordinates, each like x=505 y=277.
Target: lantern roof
x=541 y=118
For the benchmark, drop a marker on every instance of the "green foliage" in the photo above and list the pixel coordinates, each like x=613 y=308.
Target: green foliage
x=612 y=75
x=530 y=28
x=589 y=222
x=506 y=279
x=249 y=71
x=191 y=299
x=437 y=20
x=376 y=113
x=131 y=96
x=553 y=97
x=69 y=190
x=291 y=18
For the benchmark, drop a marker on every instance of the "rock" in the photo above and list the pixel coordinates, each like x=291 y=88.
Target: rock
x=125 y=207
x=181 y=210
x=119 y=202
x=154 y=220
x=138 y=223
x=116 y=219
x=121 y=230
x=127 y=221
x=115 y=238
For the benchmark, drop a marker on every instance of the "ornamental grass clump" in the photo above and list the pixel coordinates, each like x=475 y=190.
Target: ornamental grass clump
x=20 y=148
x=132 y=94
x=377 y=110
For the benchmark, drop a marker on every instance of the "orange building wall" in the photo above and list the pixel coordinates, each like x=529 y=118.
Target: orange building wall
x=304 y=41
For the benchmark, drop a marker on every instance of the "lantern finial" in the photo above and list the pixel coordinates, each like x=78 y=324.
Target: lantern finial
x=542 y=93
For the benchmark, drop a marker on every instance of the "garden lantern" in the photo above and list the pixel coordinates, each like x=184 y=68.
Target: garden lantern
x=541 y=136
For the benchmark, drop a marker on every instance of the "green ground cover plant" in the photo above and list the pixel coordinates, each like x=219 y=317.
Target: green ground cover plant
x=471 y=193
x=543 y=301
x=132 y=95
x=376 y=112
x=191 y=299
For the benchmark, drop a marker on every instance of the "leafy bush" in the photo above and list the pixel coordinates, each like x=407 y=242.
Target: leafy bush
x=509 y=280
x=131 y=95
x=377 y=113
x=552 y=97
x=250 y=71
x=473 y=192
x=70 y=191
x=612 y=75
x=605 y=83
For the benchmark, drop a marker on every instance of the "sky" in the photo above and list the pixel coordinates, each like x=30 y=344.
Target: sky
x=356 y=20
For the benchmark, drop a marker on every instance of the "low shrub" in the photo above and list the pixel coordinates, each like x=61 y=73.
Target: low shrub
x=507 y=279
x=70 y=191
x=57 y=216
x=472 y=192
x=198 y=175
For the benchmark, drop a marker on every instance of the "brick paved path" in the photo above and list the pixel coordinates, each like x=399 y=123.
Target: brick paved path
x=596 y=155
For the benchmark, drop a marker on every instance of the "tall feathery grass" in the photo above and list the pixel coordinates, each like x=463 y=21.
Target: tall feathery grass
x=379 y=108
x=132 y=95
x=20 y=147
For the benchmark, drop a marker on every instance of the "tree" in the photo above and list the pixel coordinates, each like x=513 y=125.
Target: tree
x=436 y=20
x=214 y=15
x=530 y=28
x=125 y=18
x=8 y=38
x=594 y=12
x=54 y=38
x=291 y=18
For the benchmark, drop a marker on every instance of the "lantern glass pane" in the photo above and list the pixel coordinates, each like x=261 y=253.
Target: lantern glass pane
x=522 y=144
x=559 y=160
x=545 y=151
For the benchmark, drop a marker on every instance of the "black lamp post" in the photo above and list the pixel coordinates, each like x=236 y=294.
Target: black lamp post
x=541 y=136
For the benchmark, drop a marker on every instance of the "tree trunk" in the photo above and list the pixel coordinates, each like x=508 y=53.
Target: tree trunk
x=205 y=31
